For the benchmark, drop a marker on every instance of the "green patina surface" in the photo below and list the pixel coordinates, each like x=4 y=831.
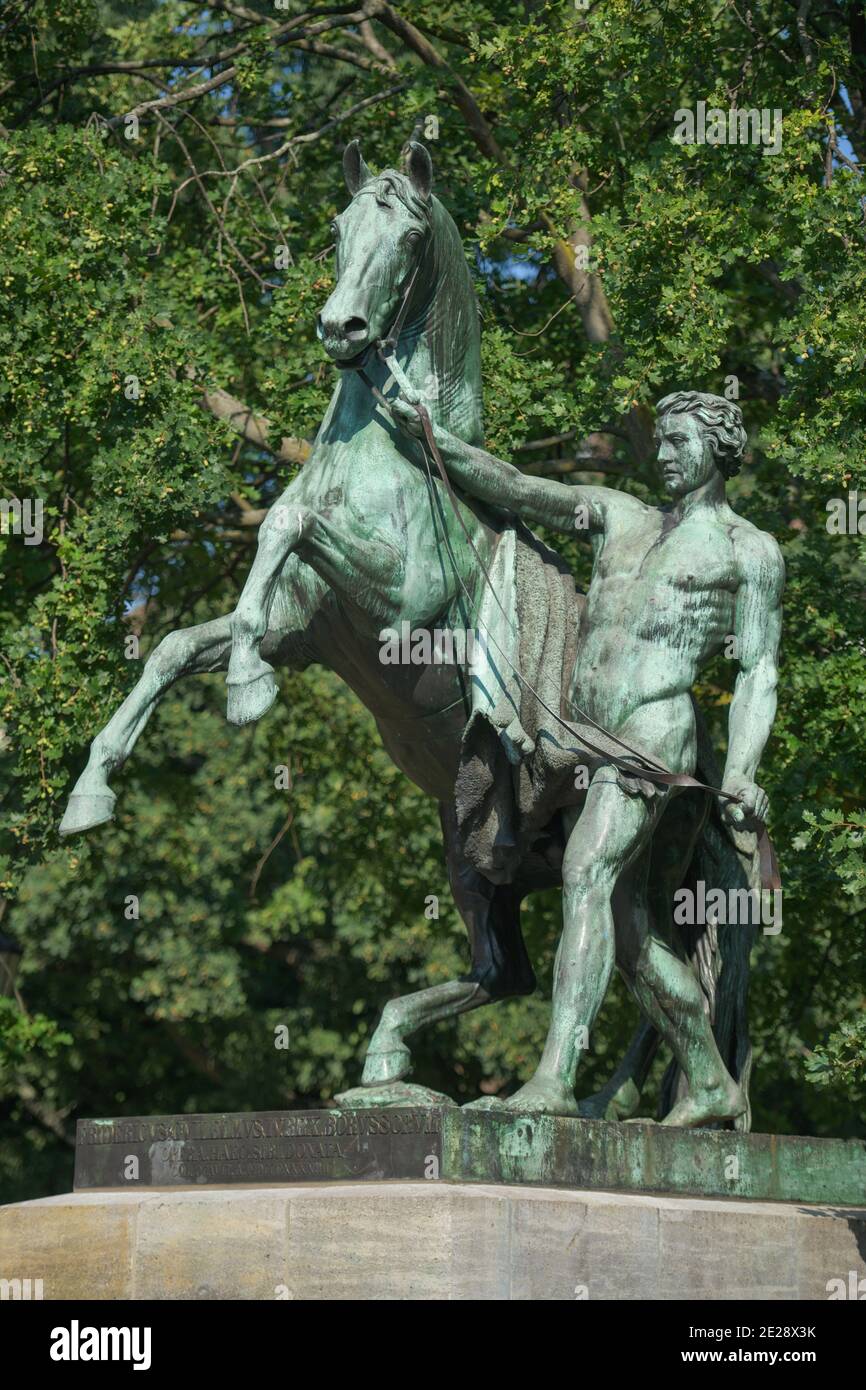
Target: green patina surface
x=485 y=1146
x=440 y=1142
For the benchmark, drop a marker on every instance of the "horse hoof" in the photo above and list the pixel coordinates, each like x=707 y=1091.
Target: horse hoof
x=86 y=810
x=395 y=1095
x=250 y=700
x=383 y=1068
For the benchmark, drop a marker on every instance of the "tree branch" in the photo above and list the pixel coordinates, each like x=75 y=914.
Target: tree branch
x=255 y=429
x=584 y=286
x=53 y=1120
x=463 y=98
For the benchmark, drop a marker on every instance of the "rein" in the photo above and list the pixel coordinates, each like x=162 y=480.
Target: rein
x=645 y=768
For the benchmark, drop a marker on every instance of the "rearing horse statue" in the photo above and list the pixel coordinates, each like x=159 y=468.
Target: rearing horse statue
x=366 y=539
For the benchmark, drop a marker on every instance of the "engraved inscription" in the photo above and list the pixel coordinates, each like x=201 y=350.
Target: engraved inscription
x=304 y=1124
x=273 y=1147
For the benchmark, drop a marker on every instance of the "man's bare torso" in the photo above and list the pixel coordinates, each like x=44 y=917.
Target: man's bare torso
x=660 y=605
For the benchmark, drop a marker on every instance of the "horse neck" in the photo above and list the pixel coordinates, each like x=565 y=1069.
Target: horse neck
x=440 y=345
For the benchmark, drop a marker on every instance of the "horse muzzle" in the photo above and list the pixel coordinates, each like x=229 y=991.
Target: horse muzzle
x=344 y=339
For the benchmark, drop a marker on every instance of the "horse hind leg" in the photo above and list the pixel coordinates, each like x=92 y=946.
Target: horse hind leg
x=620 y=1098
x=185 y=652
x=499 y=969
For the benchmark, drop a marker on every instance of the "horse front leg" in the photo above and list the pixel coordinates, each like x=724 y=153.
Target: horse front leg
x=363 y=566
x=187 y=651
x=251 y=684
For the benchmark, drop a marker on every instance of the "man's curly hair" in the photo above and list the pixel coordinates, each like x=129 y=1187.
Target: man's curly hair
x=722 y=421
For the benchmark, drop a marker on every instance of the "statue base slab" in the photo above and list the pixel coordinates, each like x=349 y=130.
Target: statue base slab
x=427 y=1241
x=485 y=1146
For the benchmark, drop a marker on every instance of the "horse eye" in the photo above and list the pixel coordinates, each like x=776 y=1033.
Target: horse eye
x=414 y=237
x=335 y=230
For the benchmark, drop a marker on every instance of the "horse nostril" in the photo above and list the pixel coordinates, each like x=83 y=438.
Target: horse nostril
x=333 y=329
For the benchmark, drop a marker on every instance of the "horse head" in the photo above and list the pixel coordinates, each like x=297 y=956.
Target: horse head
x=382 y=239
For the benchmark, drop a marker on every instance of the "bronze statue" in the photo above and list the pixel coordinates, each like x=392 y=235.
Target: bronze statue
x=366 y=538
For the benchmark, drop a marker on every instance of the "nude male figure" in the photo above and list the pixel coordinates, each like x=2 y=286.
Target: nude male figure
x=669 y=585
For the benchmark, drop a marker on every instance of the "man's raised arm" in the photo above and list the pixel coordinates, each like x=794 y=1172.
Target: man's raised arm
x=558 y=506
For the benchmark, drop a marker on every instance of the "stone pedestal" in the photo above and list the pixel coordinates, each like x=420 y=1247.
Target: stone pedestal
x=377 y=1145
x=426 y=1240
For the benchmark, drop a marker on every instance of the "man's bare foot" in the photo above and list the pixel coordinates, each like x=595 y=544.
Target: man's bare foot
x=543 y=1095
x=723 y=1102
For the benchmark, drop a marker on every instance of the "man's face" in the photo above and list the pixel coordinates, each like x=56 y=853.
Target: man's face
x=685 y=454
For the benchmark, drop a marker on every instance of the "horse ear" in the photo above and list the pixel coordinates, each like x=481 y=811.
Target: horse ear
x=419 y=167
x=354 y=169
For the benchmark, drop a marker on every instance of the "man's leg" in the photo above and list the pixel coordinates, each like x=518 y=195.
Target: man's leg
x=669 y=993
x=610 y=832
x=649 y=886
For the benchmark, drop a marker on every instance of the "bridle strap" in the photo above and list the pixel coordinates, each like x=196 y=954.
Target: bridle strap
x=385 y=347
x=388 y=345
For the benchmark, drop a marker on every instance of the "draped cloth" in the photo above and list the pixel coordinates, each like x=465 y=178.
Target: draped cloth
x=503 y=805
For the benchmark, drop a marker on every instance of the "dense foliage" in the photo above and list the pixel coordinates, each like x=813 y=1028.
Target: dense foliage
x=168 y=172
